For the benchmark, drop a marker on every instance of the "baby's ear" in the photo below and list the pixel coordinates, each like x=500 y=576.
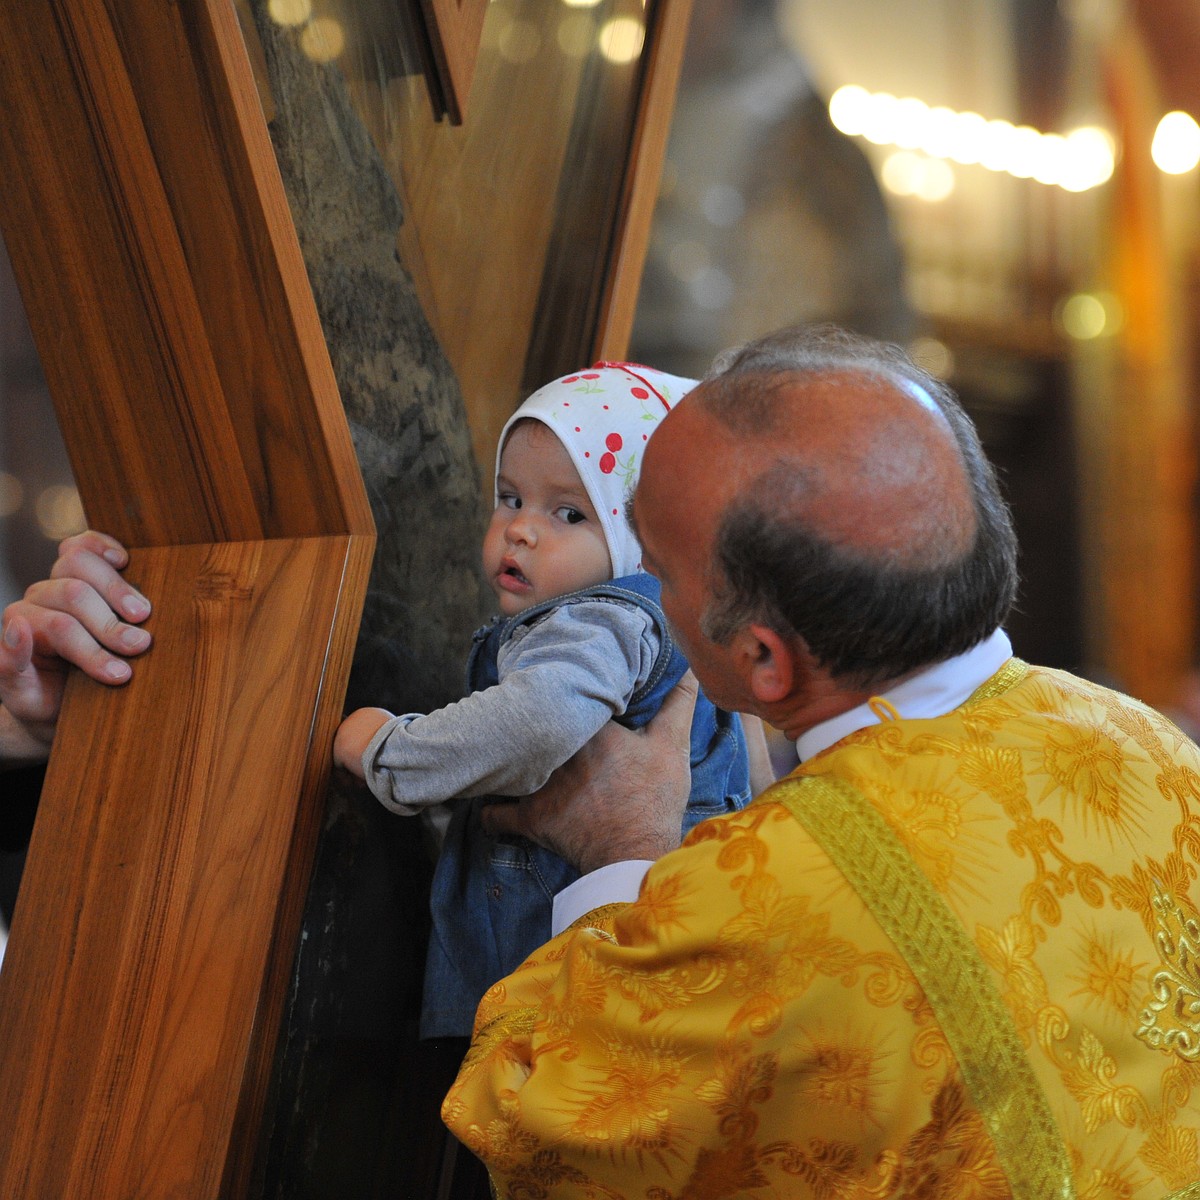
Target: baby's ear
x=769 y=663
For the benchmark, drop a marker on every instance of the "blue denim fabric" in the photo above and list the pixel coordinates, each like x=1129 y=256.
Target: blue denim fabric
x=491 y=898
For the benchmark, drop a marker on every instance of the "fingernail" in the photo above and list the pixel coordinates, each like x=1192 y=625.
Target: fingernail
x=117 y=671
x=134 y=639
x=135 y=606
x=10 y=635
x=114 y=556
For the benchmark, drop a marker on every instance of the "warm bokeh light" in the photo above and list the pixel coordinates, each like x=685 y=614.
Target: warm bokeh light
x=882 y=119
x=848 y=108
x=1082 y=159
x=941 y=132
x=323 y=40
x=968 y=136
x=1048 y=158
x=1090 y=157
x=59 y=512
x=12 y=494
x=581 y=3
x=621 y=39
x=910 y=118
x=1176 y=145
x=934 y=355
x=907 y=174
x=519 y=42
x=1089 y=315
x=1023 y=152
x=290 y=12
x=996 y=151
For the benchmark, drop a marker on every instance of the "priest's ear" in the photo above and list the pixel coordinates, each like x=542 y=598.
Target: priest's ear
x=769 y=663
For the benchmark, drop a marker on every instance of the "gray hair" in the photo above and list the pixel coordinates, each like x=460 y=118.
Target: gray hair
x=866 y=619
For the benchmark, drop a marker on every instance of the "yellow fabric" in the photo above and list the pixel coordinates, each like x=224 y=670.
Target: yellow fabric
x=958 y=985
x=746 y=1028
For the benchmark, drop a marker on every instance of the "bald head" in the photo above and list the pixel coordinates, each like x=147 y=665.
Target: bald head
x=867 y=462
x=848 y=502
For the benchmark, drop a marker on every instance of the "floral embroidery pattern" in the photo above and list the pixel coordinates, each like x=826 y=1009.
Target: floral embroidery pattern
x=1087 y=765
x=1010 y=953
x=1171 y=1018
x=745 y=1030
x=1106 y=973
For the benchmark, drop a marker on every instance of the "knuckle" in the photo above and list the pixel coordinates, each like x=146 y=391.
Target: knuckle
x=74 y=591
x=77 y=544
x=68 y=561
x=58 y=625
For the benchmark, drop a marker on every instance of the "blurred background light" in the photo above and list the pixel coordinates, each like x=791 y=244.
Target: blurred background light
x=907 y=174
x=290 y=12
x=1077 y=161
x=1176 y=145
x=934 y=355
x=519 y=42
x=59 y=512
x=848 y=108
x=323 y=40
x=1089 y=315
x=12 y=494
x=968 y=138
x=1090 y=157
x=621 y=39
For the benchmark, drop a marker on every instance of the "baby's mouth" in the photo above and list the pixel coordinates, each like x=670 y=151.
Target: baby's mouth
x=515 y=574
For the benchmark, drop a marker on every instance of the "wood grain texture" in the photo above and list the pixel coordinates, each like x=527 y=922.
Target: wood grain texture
x=667 y=41
x=158 y=915
x=453 y=28
x=141 y=194
x=139 y=946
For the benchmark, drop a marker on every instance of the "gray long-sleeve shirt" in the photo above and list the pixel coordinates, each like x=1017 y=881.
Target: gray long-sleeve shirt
x=560 y=679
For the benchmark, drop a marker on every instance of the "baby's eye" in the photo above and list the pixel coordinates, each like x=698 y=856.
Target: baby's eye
x=572 y=516
x=509 y=500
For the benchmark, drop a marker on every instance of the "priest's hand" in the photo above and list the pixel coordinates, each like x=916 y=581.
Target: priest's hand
x=620 y=798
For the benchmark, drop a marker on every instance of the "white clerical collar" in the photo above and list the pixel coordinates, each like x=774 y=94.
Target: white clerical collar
x=931 y=693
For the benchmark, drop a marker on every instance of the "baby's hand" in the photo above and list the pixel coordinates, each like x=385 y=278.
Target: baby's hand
x=353 y=736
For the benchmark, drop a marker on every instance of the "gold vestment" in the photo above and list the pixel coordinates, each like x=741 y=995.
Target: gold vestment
x=749 y=1028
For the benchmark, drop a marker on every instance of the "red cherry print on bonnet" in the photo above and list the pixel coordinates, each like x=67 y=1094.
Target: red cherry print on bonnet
x=608 y=460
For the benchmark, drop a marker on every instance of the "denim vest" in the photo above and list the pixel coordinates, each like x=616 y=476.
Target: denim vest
x=491 y=898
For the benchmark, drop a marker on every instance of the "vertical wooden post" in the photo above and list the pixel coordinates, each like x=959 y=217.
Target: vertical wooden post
x=151 y=240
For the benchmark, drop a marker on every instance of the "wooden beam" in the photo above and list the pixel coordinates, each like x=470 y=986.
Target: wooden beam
x=155 y=929
x=150 y=235
x=667 y=42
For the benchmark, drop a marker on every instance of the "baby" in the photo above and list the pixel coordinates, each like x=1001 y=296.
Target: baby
x=579 y=639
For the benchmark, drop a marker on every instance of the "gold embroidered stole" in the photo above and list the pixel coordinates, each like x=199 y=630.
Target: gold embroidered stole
x=978 y=1027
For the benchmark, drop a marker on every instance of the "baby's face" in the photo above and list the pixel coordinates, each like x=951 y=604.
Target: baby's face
x=544 y=538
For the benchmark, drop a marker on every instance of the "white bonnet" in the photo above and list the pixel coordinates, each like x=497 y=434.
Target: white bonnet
x=604 y=417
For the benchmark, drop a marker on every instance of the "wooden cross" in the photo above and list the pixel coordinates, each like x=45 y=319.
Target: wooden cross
x=150 y=236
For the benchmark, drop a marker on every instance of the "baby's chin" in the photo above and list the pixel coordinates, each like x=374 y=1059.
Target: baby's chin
x=511 y=605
